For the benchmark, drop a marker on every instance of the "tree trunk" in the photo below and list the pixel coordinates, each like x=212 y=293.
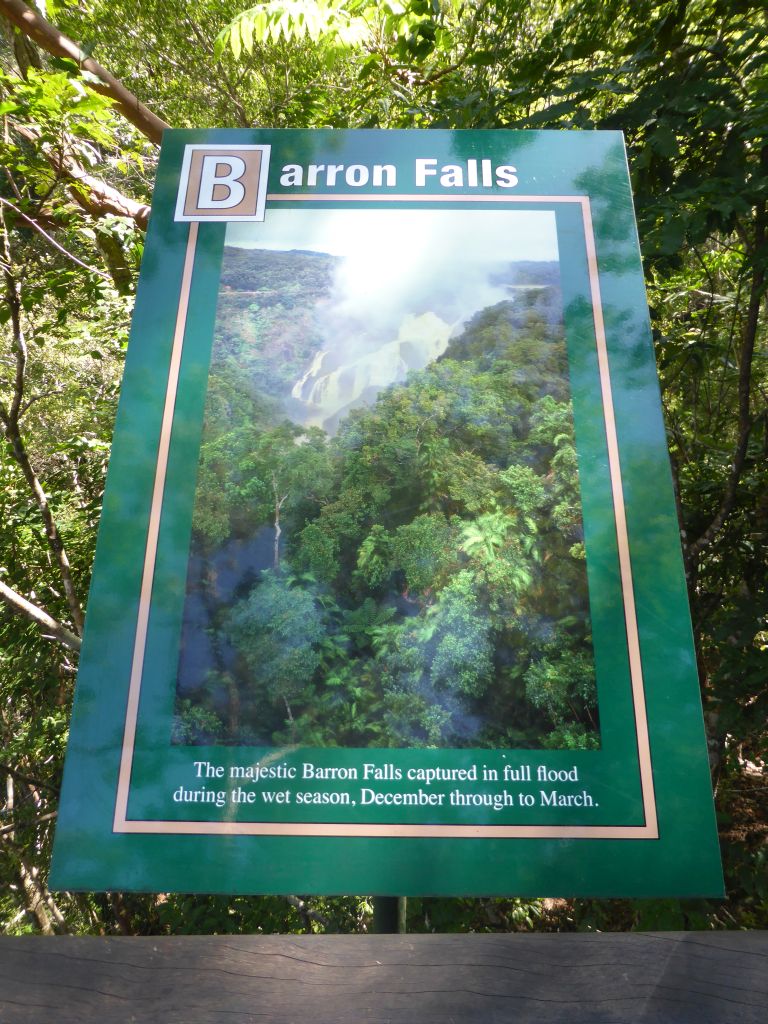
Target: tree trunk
x=278 y=531
x=92 y=194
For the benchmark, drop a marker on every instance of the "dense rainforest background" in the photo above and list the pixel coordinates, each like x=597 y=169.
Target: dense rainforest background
x=86 y=87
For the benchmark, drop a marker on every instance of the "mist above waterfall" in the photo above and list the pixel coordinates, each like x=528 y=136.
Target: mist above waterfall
x=404 y=282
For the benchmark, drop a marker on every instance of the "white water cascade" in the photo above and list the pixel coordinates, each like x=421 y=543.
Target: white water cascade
x=338 y=381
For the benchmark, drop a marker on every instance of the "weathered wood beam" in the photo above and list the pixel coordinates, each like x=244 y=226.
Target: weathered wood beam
x=670 y=977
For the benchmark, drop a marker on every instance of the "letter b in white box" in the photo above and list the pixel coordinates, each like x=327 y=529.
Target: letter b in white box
x=223 y=183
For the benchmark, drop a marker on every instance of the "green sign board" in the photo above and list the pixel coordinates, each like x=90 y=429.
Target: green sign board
x=388 y=595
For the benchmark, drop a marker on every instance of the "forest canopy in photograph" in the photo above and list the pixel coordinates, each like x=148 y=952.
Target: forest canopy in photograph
x=387 y=543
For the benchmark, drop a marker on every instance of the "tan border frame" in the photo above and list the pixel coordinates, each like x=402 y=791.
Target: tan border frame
x=649 y=830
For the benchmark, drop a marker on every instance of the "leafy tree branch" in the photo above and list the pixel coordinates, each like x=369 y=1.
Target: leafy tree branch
x=48 y=625
x=32 y=24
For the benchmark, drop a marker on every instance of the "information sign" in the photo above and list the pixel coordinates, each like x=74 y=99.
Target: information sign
x=388 y=594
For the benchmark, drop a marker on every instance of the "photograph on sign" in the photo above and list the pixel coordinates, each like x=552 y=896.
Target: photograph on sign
x=387 y=547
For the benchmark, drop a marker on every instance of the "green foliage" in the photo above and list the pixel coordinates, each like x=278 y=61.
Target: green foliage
x=291 y=20
x=61 y=362
x=686 y=83
x=556 y=684
x=424 y=552
x=195 y=724
x=164 y=51
x=463 y=656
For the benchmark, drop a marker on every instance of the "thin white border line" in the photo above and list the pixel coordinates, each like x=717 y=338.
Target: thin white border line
x=625 y=562
x=150 y=552
x=412 y=197
x=383 y=831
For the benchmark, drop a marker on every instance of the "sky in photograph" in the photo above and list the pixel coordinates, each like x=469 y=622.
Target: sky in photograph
x=395 y=261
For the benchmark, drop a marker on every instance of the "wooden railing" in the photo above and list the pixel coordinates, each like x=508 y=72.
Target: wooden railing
x=662 y=977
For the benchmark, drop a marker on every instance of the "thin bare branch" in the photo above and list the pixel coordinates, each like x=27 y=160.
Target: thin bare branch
x=13 y=298
x=9 y=425
x=39 y=820
x=745 y=421
x=33 y=223
x=50 y=627
x=307 y=913
x=37 y=897
x=38 y=783
x=222 y=79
